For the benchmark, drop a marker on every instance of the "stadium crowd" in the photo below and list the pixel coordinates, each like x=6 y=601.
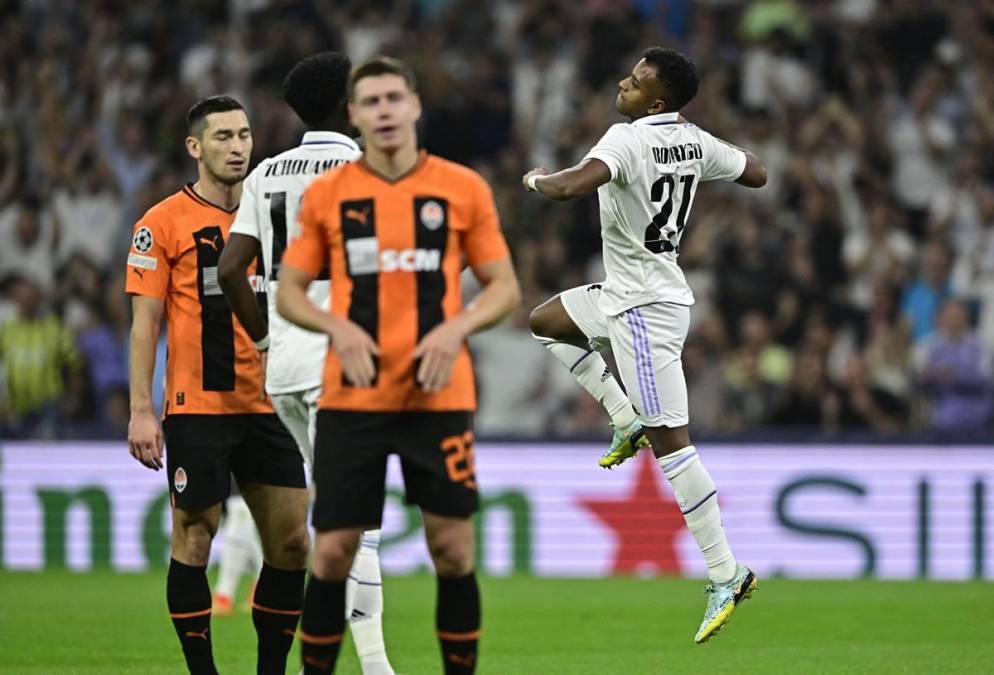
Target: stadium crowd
x=852 y=295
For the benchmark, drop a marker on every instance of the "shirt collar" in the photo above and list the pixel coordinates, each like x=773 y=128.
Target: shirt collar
x=328 y=138
x=658 y=119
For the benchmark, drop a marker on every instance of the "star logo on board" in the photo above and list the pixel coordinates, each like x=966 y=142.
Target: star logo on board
x=646 y=523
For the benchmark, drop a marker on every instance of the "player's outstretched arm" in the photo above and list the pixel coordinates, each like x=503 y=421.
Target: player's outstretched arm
x=238 y=254
x=354 y=347
x=573 y=183
x=438 y=349
x=144 y=430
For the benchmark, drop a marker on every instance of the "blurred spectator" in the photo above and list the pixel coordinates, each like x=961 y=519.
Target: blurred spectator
x=882 y=251
x=866 y=406
x=954 y=372
x=926 y=294
x=40 y=363
x=921 y=140
x=810 y=402
x=90 y=215
x=757 y=351
x=750 y=398
x=28 y=238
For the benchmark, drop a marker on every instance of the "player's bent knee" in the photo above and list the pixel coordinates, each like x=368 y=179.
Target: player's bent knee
x=667 y=440
x=452 y=555
x=550 y=321
x=291 y=550
x=333 y=554
x=191 y=540
x=538 y=321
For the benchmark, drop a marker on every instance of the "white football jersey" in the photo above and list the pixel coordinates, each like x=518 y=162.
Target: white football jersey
x=271 y=197
x=656 y=165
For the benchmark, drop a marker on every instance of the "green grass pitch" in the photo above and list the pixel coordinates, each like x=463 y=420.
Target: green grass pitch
x=60 y=622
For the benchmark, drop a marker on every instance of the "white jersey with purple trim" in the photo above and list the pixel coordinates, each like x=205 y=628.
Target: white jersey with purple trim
x=656 y=164
x=270 y=201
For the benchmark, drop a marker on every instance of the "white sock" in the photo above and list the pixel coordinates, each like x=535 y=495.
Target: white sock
x=240 y=548
x=589 y=369
x=698 y=500
x=364 y=606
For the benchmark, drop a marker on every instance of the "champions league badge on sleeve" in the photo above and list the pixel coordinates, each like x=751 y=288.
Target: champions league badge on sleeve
x=143 y=240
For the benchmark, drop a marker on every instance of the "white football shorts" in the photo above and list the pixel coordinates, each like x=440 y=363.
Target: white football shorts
x=647 y=342
x=298 y=411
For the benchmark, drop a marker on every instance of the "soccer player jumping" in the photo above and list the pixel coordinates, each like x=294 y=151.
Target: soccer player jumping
x=646 y=173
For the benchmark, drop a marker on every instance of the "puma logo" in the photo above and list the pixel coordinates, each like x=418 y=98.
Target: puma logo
x=360 y=216
x=464 y=661
x=210 y=242
x=323 y=664
x=139 y=272
x=192 y=633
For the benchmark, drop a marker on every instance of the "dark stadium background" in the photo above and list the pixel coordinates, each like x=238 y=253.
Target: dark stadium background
x=842 y=345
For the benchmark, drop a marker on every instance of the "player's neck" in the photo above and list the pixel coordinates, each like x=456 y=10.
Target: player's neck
x=332 y=124
x=218 y=193
x=392 y=165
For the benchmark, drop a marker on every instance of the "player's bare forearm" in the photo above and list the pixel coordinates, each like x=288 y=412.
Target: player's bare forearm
x=499 y=296
x=754 y=174
x=144 y=338
x=144 y=431
x=573 y=183
x=293 y=304
x=237 y=256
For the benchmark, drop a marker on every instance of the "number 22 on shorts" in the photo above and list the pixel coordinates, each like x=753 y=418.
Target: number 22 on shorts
x=459 y=460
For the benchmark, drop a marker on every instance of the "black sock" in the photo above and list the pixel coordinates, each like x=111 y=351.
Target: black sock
x=189 y=598
x=322 y=625
x=457 y=618
x=279 y=597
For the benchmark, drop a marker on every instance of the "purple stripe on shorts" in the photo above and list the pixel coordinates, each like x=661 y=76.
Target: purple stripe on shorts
x=638 y=362
x=646 y=365
x=648 y=352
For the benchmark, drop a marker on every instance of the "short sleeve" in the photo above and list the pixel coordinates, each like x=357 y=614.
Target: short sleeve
x=247 y=219
x=721 y=161
x=484 y=241
x=309 y=251
x=619 y=149
x=148 y=262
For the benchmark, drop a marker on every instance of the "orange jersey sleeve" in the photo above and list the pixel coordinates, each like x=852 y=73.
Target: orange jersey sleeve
x=148 y=260
x=483 y=241
x=309 y=251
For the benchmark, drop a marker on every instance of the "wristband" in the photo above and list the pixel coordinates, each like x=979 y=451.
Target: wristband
x=531 y=183
x=263 y=344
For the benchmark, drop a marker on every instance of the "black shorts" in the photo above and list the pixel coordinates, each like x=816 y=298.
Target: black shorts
x=204 y=451
x=350 y=465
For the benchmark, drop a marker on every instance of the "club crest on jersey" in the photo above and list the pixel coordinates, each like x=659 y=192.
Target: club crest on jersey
x=143 y=240
x=179 y=479
x=432 y=214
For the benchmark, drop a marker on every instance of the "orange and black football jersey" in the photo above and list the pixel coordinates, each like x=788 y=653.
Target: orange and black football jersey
x=212 y=366
x=396 y=250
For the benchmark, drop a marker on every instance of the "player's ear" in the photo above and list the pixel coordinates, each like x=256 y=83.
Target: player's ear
x=658 y=106
x=350 y=110
x=193 y=146
x=417 y=107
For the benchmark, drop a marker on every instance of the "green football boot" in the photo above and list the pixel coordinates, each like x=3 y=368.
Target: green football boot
x=722 y=601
